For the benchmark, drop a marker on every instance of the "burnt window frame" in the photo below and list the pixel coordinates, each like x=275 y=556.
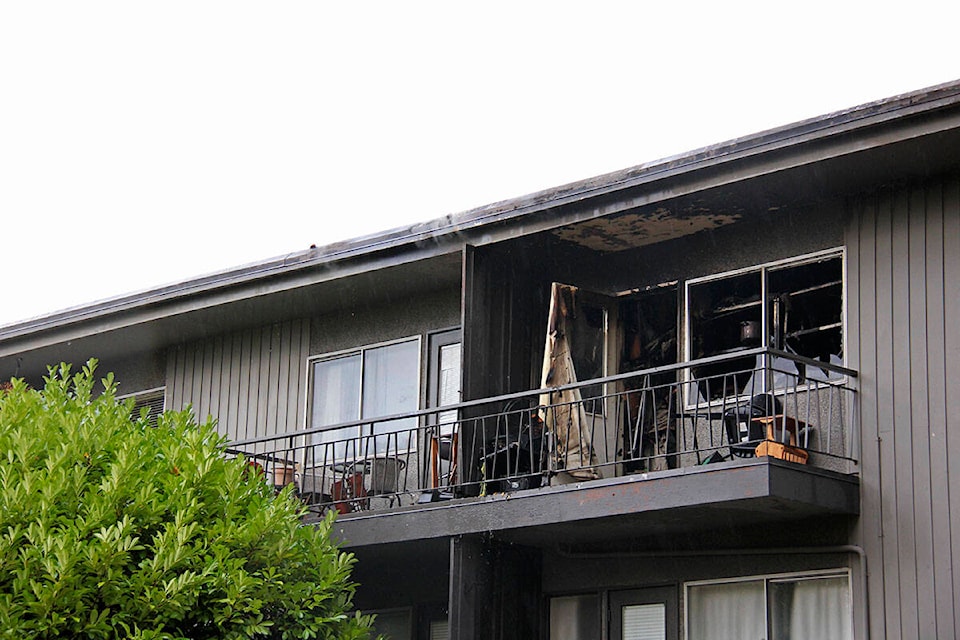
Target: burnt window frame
x=762 y=271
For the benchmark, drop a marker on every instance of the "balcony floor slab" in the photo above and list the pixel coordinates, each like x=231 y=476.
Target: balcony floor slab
x=732 y=494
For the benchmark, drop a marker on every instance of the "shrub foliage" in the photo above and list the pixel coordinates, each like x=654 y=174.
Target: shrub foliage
x=111 y=528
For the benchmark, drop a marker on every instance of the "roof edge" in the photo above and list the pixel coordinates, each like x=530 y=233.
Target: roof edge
x=448 y=228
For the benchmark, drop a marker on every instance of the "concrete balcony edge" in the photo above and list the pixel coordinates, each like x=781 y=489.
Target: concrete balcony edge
x=762 y=489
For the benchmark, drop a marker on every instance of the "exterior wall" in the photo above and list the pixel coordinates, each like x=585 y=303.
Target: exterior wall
x=904 y=298
x=356 y=324
x=139 y=372
x=254 y=382
x=251 y=382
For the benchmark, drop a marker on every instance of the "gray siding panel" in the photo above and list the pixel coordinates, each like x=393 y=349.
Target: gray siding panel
x=902 y=431
x=919 y=414
x=863 y=311
x=216 y=378
x=884 y=381
x=936 y=390
x=243 y=399
x=951 y=400
x=904 y=298
x=251 y=382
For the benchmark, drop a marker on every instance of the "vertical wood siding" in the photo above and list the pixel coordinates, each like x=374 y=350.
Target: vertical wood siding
x=250 y=382
x=904 y=315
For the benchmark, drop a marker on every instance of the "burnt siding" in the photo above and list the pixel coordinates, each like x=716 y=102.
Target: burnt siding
x=904 y=314
x=252 y=382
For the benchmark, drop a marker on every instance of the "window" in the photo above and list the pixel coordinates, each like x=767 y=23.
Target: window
x=799 y=607
x=372 y=382
x=394 y=624
x=649 y=613
x=574 y=617
x=794 y=306
x=444 y=376
x=152 y=401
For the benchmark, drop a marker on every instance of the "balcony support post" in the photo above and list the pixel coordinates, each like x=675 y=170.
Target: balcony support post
x=494 y=589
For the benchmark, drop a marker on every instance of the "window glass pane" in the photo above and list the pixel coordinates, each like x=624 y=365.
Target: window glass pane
x=719 y=310
x=390 y=386
x=728 y=611
x=449 y=391
x=336 y=398
x=645 y=622
x=811 y=609
x=393 y=625
x=806 y=311
x=725 y=317
x=574 y=618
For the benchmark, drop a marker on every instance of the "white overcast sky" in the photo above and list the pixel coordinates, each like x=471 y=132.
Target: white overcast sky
x=147 y=142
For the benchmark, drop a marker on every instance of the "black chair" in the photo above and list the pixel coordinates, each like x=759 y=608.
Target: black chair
x=743 y=434
x=516 y=456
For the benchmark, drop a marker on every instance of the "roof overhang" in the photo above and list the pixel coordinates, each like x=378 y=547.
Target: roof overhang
x=914 y=134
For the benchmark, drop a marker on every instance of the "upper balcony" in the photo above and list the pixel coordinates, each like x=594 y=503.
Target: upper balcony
x=750 y=437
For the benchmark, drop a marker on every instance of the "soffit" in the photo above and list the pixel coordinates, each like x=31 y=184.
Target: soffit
x=609 y=228
x=392 y=284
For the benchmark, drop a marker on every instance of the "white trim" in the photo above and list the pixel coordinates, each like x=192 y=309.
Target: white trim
x=137 y=394
x=792 y=575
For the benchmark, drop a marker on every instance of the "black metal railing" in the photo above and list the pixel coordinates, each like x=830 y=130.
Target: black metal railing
x=711 y=410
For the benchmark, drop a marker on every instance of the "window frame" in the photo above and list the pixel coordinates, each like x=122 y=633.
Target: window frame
x=762 y=270
x=767 y=578
x=360 y=350
x=145 y=398
x=436 y=341
x=391 y=611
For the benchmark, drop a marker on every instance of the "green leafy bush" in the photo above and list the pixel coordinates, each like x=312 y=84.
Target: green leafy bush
x=115 y=529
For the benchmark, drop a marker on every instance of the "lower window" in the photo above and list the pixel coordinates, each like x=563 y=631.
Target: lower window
x=773 y=607
x=394 y=624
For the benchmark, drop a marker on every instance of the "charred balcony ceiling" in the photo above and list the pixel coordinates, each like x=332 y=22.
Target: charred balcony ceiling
x=725 y=193
x=635 y=229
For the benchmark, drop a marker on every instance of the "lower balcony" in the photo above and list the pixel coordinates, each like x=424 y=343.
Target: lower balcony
x=753 y=437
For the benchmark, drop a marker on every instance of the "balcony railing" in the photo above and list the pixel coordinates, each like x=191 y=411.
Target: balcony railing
x=721 y=409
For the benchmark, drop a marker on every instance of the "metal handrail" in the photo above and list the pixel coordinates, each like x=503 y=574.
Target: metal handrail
x=519 y=395
x=511 y=444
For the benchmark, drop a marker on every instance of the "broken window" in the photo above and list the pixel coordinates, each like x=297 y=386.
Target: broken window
x=795 y=306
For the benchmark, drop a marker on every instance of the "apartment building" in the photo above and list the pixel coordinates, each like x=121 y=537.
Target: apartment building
x=710 y=396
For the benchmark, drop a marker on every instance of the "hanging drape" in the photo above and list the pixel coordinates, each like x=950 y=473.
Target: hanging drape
x=563 y=412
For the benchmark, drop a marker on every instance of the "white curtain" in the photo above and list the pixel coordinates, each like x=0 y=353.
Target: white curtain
x=811 y=609
x=336 y=399
x=391 y=386
x=730 y=611
x=449 y=391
